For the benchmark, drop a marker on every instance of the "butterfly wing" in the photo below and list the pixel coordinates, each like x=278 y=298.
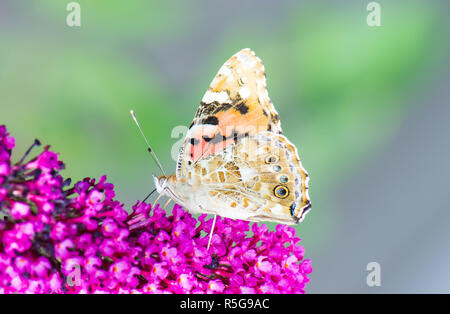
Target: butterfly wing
x=258 y=178
x=226 y=158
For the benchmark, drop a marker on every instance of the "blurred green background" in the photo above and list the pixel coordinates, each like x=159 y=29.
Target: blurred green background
x=343 y=90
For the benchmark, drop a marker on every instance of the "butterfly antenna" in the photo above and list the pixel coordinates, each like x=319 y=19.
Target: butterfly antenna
x=148 y=195
x=149 y=148
x=211 y=232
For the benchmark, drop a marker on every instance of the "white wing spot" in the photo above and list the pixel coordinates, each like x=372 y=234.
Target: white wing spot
x=225 y=71
x=244 y=92
x=211 y=97
x=246 y=59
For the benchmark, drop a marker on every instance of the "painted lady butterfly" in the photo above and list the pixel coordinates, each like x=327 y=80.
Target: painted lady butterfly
x=235 y=161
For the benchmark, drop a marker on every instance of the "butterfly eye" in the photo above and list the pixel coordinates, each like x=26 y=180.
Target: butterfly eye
x=271 y=159
x=281 y=191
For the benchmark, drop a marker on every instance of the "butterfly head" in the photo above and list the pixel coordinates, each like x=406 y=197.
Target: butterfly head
x=167 y=185
x=163 y=183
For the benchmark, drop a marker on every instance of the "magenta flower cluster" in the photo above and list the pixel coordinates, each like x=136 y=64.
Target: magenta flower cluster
x=58 y=238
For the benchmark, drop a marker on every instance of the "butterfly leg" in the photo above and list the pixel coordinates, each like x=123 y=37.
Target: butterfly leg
x=166 y=203
x=211 y=232
x=157 y=199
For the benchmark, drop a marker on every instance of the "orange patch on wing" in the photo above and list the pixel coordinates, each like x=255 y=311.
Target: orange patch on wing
x=232 y=120
x=204 y=149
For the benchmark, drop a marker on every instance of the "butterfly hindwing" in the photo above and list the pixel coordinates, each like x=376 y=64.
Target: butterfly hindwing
x=259 y=178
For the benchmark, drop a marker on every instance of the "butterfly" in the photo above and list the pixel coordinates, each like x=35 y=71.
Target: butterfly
x=235 y=161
